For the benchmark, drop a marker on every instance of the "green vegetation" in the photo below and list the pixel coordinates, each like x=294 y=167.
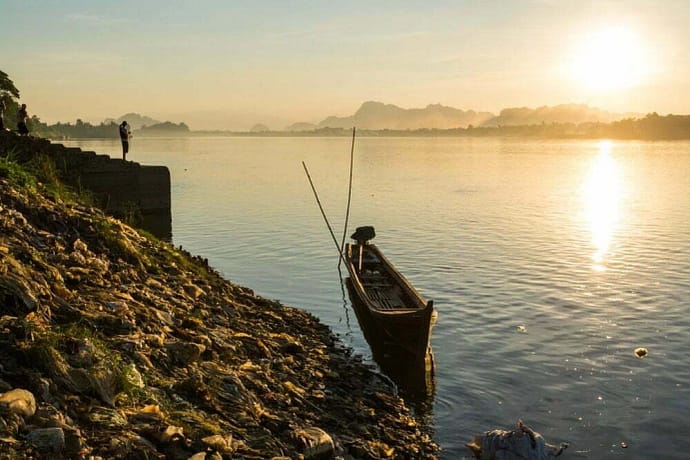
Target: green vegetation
x=104 y=130
x=107 y=372
x=182 y=260
x=9 y=94
x=121 y=247
x=7 y=86
x=79 y=129
x=40 y=171
x=46 y=172
x=196 y=424
x=16 y=174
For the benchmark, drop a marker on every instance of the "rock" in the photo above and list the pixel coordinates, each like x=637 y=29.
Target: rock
x=74 y=442
x=151 y=412
x=185 y=353
x=79 y=380
x=133 y=377
x=222 y=444
x=154 y=340
x=18 y=401
x=203 y=340
x=171 y=433
x=47 y=439
x=78 y=260
x=15 y=287
x=315 y=442
x=84 y=356
x=150 y=282
x=62 y=291
x=106 y=383
x=117 y=306
x=81 y=247
x=193 y=290
x=104 y=418
x=98 y=265
x=164 y=317
x=143 y=360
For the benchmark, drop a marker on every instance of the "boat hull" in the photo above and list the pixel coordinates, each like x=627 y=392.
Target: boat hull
x=396 y=315
x=408 y=364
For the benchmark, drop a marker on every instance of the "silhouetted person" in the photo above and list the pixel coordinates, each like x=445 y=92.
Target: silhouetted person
x=22 y=116
x=2 y=113
x=125 y=134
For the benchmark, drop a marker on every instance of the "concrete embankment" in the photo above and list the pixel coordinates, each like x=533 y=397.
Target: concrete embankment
x=114 y=345
x=125 y=189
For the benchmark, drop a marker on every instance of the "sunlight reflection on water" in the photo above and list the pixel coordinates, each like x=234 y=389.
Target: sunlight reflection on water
x=602 y=191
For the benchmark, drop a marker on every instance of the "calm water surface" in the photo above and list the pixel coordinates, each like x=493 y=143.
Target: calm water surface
x=549 y=262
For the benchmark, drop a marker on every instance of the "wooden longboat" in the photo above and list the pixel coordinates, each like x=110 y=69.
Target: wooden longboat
x=386 y=299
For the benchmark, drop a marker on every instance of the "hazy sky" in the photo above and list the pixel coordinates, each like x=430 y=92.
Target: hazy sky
x=231 y=63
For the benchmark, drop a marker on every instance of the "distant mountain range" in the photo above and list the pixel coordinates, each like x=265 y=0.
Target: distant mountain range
x=374 y=115
x=134 y=120
x=564 y=113
x=377 y=115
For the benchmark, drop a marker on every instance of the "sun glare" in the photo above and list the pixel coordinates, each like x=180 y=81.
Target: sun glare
x=610 y=59
x=602 y=190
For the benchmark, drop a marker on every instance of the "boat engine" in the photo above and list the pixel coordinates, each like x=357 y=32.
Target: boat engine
x=363 y=234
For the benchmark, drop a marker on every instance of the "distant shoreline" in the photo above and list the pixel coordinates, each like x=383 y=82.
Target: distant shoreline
x=651 y=127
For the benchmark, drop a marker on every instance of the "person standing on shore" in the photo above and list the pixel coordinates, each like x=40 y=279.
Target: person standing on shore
x=125 y=134
x=22 y=116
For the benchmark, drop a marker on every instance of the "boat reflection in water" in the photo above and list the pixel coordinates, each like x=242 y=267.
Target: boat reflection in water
x=394 y=318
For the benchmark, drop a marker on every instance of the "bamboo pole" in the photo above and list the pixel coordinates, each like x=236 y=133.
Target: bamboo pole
x=349 y=193
x=323 y=213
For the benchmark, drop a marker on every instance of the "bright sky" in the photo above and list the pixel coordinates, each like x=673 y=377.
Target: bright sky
x=232 y=63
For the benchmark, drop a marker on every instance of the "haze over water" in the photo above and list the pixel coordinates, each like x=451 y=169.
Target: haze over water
x=549 y=262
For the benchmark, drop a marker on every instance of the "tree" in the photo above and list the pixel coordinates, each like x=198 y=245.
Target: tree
x=9 y=93
x=7 y=86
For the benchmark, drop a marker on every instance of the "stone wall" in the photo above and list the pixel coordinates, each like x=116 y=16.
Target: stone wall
x=125 y=189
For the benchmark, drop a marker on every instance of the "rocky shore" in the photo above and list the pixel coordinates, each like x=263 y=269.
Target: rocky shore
x=117 y=345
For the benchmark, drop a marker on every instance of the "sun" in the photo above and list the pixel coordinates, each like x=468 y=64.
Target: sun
x=609 y=59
